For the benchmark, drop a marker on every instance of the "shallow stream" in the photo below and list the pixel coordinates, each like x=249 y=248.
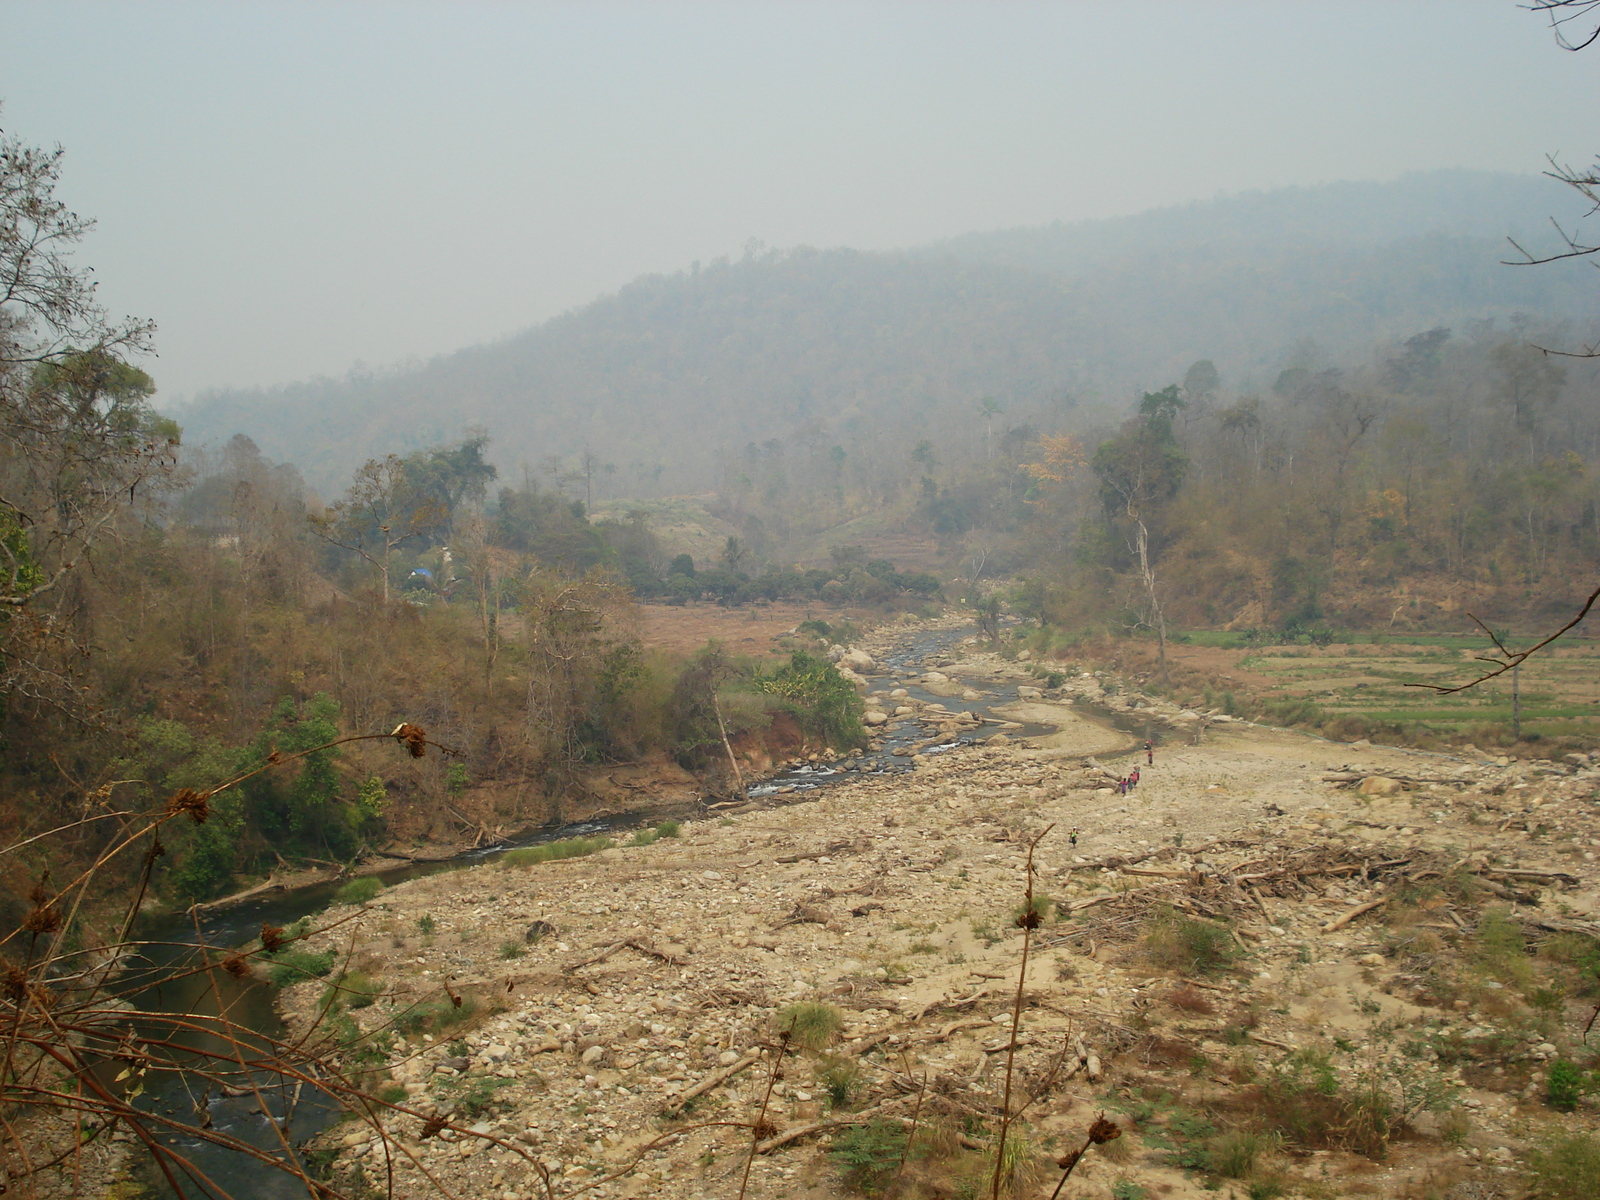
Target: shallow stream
x=297 y=1116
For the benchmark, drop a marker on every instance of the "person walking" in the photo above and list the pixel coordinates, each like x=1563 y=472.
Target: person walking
x=1149 y=753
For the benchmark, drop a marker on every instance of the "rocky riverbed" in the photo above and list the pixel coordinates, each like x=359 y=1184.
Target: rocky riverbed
x=1282 y=964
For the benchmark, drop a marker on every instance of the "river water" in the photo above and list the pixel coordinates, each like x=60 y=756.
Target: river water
x=174 y=944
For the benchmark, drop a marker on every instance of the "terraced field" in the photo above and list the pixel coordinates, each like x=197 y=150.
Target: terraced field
x=1559 y=689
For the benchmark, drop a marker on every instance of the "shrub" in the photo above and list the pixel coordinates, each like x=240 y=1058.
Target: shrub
x=1233 y=1155
x=840 y=1078
x=1188 y=944
x=1565 y=1085
x=870 y=1154
x=473 y=1095
x=1043 y=908
x=1566 y=1168
x=821 y=699
x=643 y=837
x=434 y=1016
x=352 y=989
x=527 y=856
x=291 y=966
x=668 y=829
x=810 y=1024
x=359 y=891
x=425 y=924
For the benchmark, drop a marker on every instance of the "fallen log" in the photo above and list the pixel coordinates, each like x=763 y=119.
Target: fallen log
x=642 y=947
x=1565 y=877
x=1562 y=925
x=800 y=1131
x=1344 y=919
x=716 y=1079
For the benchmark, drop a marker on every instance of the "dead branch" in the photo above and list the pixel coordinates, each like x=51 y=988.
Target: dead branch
x=1344 y=919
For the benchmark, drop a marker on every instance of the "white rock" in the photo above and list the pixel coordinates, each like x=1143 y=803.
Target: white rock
x=857 y=660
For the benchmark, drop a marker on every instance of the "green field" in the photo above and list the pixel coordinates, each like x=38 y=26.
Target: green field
x=1383 y=683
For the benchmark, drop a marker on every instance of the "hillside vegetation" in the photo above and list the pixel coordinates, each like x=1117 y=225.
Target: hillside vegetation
x=848 y=359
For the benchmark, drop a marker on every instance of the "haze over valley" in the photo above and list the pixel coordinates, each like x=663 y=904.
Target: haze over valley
x=796 y=602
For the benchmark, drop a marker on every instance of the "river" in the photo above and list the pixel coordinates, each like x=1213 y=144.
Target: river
x=272 y=1115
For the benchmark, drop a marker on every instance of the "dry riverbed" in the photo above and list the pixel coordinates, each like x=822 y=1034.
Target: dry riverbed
x=1251 y=943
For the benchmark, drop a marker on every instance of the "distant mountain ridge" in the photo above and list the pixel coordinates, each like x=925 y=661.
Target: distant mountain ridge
x=1454 y=203
x=669 y=380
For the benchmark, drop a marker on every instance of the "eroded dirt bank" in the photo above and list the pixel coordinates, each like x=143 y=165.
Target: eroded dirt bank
x=606 y=989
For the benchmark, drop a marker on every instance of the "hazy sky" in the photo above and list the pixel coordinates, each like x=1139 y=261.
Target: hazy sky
x=290 y=188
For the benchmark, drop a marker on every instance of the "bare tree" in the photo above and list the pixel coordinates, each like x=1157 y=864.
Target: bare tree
x=1576 y=24
x=78 y=442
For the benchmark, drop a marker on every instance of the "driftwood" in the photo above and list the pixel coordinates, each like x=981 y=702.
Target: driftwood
x=958 y=1002
x=800 y=1131
x=956 y=1027
x=1344 y=919
x=642 y=947
x=1562 y=925
x=1565 y=877
x=716 y=1079
x=807 y=914
x=826 y=852
x=1347 y=777
x=271 y=885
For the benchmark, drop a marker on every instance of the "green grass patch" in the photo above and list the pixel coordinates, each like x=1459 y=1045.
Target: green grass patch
x=1188 y=944
x=811 y=1025
x=352 y=989
x=473 y=1095
x=292 y=965
x=359 y=891
x=435 y=1016
x=527 y=856
x=1566 y=1168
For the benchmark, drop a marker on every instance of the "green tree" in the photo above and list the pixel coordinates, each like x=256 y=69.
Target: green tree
x=442 y=479
x=382 y=509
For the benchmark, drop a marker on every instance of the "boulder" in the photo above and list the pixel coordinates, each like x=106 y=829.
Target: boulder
x=1024 y=692
x=858 y=660
x=874 y=717
x=860 y=683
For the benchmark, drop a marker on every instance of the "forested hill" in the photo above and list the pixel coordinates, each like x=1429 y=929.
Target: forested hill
x=861 y=355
